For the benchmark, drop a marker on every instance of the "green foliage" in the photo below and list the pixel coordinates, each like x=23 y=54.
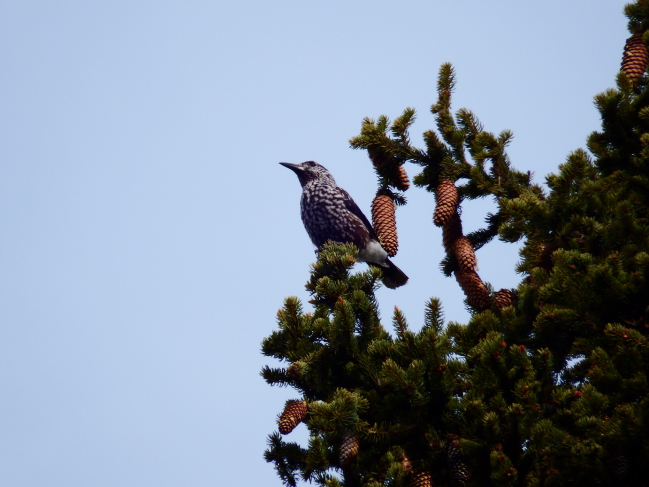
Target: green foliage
x=355 y=375
x=550 y=389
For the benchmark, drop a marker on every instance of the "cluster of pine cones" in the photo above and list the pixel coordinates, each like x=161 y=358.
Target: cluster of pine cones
x=634 y=63
x=447 y=217
x=295 y=412
x=454 y=241
x=458 y=469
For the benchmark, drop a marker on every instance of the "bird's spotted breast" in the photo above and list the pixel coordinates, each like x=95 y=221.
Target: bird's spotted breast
x=326 y=218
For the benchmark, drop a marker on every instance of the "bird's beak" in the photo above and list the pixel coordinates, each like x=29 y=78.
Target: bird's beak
x=296 y=168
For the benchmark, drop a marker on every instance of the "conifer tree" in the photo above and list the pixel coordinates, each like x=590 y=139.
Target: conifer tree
x=546 y=385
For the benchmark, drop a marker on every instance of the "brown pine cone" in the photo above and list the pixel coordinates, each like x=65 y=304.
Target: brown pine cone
x=446 y=196
x=421 y=478
x=474 y=289
x=401 y=180
x=293 y=369
x=405 y=464
x=460 y=472
x=348 y=448
x=376 y=157
x=504 y=297
x=465 y=255
x=385 y=223
x=545 y=259
x=451 y=231
x=635 y=58
x=620 y=467
x=293 y=415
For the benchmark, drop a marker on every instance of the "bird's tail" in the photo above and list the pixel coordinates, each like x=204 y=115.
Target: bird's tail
x=393 y=277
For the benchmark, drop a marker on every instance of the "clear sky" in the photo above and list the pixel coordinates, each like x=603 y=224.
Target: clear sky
x=148 y=235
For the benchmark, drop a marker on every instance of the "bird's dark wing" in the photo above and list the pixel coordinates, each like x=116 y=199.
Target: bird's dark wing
x=353 y=208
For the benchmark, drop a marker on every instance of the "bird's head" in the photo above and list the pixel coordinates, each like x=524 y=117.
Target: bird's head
x=310 y=171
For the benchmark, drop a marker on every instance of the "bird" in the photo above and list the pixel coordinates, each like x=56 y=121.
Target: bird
x=329 y=213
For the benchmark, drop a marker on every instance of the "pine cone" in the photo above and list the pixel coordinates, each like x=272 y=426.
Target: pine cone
x=293 y=415
x=635 y=58
x=377 y=158
x=348 y=448
x=293 y=369
x=451 y=231
x=401 y=180
x=620 y=467
x=421 y=478
x=405 y=464
x=545 y=259
x=464 y=254
x=504 y=297
x=446 y=196
x=460 y=473
x=474 y=289
x=385 y=224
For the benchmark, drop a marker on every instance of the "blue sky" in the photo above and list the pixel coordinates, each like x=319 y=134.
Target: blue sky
x=149 y=235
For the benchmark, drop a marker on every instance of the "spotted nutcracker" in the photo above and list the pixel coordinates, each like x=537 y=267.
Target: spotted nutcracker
x=329 y=213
